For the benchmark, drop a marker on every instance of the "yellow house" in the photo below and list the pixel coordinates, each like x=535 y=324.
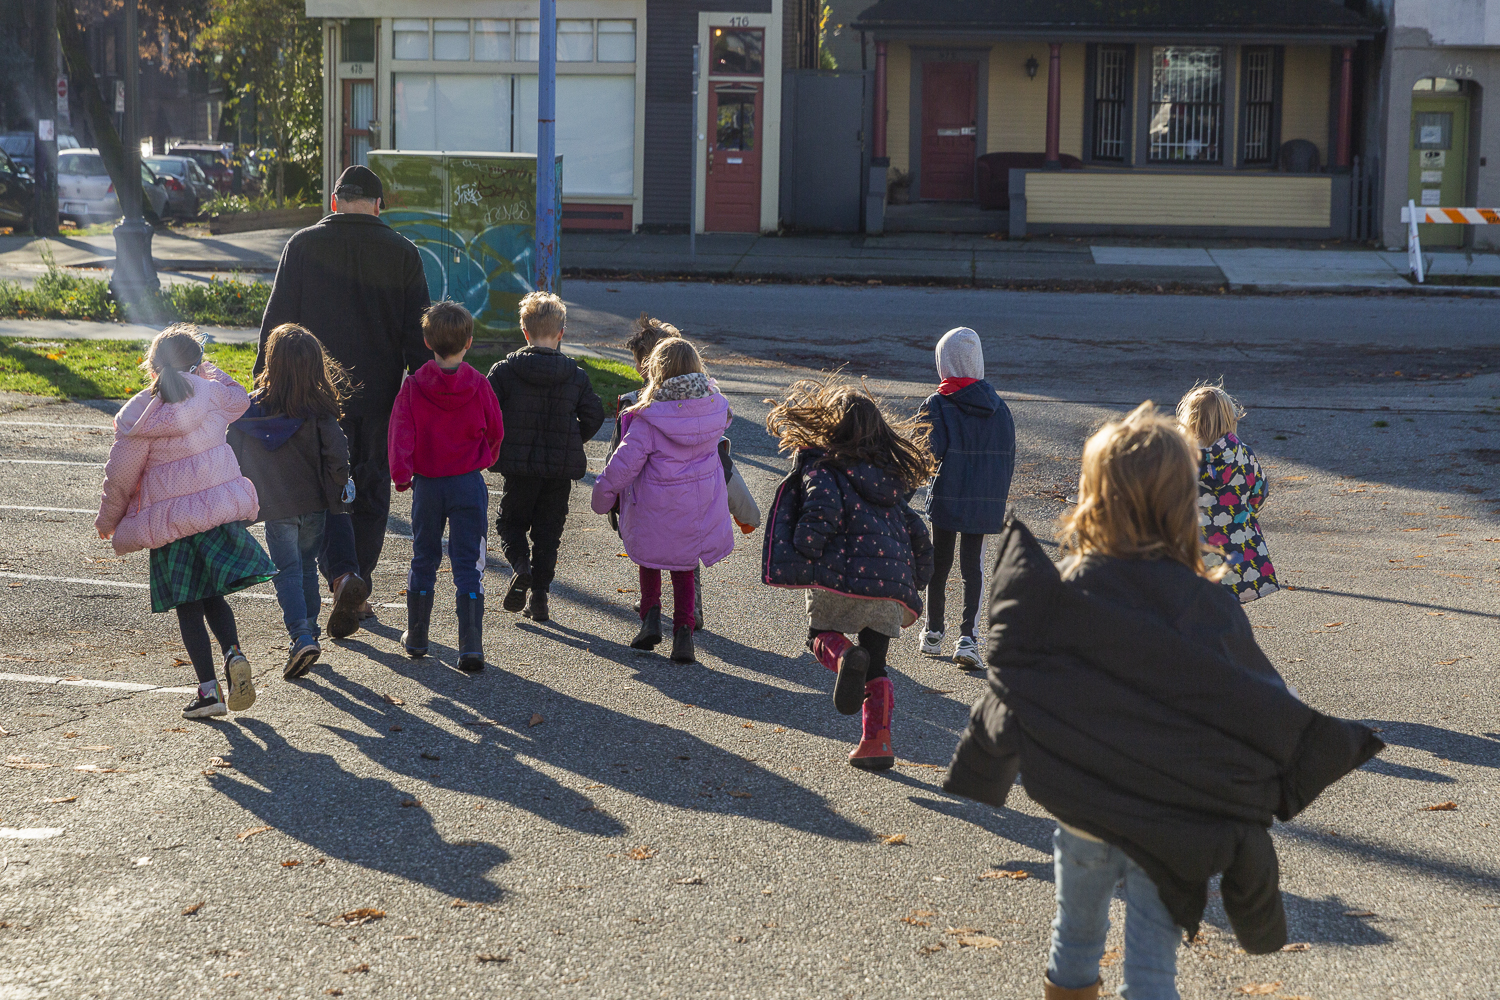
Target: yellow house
x=1200 y=117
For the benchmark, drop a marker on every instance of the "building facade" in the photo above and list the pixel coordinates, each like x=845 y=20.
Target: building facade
x=461 y=75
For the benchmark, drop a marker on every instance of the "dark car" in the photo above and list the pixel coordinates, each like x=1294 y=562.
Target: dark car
x=214 y=159
x=21 y=148
x=187 y=187
x=15 y=195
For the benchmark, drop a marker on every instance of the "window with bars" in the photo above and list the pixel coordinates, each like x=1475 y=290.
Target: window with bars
x=1259 y=89
x=1111 y=102
x=1187 y=104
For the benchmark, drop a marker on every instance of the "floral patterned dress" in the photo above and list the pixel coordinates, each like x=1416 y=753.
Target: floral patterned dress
x=1231 y=490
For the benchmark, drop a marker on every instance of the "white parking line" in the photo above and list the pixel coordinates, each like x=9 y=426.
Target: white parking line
x=50 y=510
x=112 y=685
x=112 y=583
x=48 y=461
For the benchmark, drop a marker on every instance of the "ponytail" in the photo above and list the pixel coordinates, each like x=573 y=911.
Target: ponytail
x=176 y=350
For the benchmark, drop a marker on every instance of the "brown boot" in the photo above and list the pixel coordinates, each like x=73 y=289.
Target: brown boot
x=1054 y=992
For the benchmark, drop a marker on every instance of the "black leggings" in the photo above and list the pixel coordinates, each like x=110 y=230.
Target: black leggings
x=190 y=618
x=877 y=644
x=970 y=565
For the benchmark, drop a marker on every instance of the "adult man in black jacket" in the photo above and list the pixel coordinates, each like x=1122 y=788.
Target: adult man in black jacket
x=358 y=286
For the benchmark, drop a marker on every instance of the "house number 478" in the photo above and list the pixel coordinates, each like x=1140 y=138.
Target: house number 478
x=1460 y=71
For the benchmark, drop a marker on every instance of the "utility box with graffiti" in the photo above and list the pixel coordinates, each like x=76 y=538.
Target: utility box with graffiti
x=473 y=218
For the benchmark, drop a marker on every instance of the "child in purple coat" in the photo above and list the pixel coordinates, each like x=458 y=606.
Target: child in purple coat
x=667 y=476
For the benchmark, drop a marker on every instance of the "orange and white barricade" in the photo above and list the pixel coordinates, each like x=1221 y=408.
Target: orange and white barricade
x=1412 y=216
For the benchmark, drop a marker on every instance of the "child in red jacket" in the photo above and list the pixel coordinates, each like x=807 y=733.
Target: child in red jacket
x=445 y=429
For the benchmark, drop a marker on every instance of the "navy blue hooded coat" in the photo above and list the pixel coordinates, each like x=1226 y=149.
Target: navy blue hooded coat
x=974 y=441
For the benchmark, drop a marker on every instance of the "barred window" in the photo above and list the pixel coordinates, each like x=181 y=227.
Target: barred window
x=1187 y=104
x=1111 y=102
x=1260 y=104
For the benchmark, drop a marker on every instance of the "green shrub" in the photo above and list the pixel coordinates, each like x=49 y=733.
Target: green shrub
x=232 y=204
x=221 y=302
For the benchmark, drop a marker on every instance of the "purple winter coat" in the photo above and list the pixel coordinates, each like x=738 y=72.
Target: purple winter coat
x=674 y=506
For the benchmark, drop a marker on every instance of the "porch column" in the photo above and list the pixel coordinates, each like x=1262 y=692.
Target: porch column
x=1054 y=108
x=1346 y=109
x=880 y=112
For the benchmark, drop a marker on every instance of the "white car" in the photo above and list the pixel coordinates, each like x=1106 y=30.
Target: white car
x=85 y=193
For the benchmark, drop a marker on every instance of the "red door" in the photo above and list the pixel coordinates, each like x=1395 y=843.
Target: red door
x=732 y=197
x=950 y=131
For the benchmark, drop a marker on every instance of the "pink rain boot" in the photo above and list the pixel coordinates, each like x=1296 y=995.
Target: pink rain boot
x=837 y=653
x=874 y=752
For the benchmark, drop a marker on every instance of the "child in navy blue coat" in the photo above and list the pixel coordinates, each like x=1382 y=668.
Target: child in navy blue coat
x=974 y=441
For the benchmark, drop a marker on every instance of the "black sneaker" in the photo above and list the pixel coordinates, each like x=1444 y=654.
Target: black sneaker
x=515 y=597
x=682 y=644
x=536 y=606
x=206 y=706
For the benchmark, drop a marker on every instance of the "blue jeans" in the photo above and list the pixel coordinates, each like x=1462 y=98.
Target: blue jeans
x=294 y=543
x=463 y=503
x=1087 y=873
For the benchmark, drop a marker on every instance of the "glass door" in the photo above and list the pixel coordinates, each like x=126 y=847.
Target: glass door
x=359 y=113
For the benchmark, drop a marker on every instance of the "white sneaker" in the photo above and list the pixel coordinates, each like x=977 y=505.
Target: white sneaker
x=966 y=653
x=932 y=642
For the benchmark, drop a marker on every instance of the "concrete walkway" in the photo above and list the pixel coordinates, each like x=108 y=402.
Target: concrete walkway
x=899 y=258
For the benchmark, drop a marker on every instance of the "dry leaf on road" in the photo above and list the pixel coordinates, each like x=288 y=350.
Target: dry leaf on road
x=493 y=958
x=188 y=911
x=1296 y=946
x=894 y=839
x=219 y=762
x=1448 y=806
x=979 y=941
x=363 y=915
x=536 y=720
x=410 y=803
x=361 y=967
x=690 y=880
x=641 y=853
x=740 y=794
x=930 y=949
x=1259 y=989
x=391 y=699
x=246 y=834
x=1003 y=873
x=70 y=798
x=291 y=863
x=1109 y=958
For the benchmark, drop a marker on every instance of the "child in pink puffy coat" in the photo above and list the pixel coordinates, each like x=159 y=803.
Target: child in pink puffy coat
x=669 y=480
x=172 y=485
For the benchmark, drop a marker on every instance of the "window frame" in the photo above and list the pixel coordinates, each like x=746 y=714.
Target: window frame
x=1222 y=104
x=1273 y=137
x=1091 y=100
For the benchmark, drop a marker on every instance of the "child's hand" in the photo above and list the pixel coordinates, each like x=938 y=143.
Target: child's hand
x=403 y=487
x=745 y=528
x=106 y=535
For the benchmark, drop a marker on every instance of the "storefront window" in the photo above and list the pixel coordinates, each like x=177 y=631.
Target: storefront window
x=575 y=41
x=450 y=39
x=410 y=38
x=738 y=52
x=1187 y=104
x=492 y=41
x=616 y=41
x=526 y=40
x=595 y=131
x=437 y=111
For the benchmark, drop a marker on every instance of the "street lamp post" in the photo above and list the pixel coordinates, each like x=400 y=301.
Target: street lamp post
x=546 y=148
x=134 y=282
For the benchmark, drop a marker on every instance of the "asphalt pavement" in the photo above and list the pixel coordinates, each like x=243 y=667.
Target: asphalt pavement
x=585 y=820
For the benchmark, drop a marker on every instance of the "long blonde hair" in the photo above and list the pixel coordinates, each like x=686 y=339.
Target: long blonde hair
x=1207 y=413
x=176 y=350
x=1137 y=493
x=670 y=358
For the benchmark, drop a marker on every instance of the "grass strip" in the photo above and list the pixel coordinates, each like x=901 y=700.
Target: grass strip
x=63 y=294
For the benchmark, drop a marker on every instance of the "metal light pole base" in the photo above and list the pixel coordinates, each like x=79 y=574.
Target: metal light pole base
x=135 y=284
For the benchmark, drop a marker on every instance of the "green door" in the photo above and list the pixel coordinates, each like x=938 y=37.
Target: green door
x=1439 y=160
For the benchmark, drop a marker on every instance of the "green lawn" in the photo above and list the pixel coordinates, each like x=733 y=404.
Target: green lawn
x=109 y=369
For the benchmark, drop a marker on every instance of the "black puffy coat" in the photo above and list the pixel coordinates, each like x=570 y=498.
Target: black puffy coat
x=550 y=410
x=1134 y=701
x=850 y=531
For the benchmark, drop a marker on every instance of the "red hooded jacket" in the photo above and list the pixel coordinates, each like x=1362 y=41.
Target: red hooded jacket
x=444 y=423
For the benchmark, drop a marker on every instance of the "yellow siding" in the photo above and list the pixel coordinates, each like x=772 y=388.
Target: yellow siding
x=898 y=102
x=1304 y=96
x=1017 y=121
x=1132 y=199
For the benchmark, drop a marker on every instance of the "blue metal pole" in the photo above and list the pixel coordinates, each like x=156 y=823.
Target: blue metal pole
x=546 y=149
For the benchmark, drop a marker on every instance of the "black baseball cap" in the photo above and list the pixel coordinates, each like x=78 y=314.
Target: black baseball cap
x=358 y=182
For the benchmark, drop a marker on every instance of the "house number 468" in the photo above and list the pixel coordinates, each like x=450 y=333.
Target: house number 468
x=1460 y=71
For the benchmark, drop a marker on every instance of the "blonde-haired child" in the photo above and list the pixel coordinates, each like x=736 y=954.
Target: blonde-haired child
x=1231 y=490
x=1128 y=691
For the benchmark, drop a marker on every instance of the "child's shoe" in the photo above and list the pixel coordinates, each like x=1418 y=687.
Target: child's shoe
x=207 y=704
x=682 y=645
x=241 y=683
x=874 y=752
x=966 y=654
x=515 y=597
x=837 y=653
x=1051 y=991
x=536 y=606
x=650 y=634
x=932 y=641
x=471 y=633
x=418 y=622
x=301 y=657
x=349 y=593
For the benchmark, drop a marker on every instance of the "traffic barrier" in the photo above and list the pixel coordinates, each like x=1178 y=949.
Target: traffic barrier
x=1412 y=216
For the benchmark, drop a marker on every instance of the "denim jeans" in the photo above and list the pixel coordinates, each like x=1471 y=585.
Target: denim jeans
x=462 y=502
x=1087 y=873
x=294 y=543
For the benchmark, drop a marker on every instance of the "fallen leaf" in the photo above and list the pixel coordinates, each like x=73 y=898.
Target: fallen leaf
x=1259 y=989
x=1109 y=958
x=738 y=794
x=747 y=725
x=536 y=720
x=893 y=839
x=1296 y=946
x=641 y=853
x=690 y=880
x=234 y=975
x=979 y=941
x=1332 y=624
x=290 y=863
x=493 y=958
x=1448 y=806
x=247 y=834
x=430 y=756
x=188 y=911
x=219 y=762
x=363 y=915
x=178 y=661
x=70 y=736
x=391 y=699
x=361 y=967
x=590 y=788
x=410 y=803
x=175 y=729
x=70 y=798
x=930 y=949
x=1003 y=873
x=333 y=991
x=1359 y=913
x=915 y=922
x=1446 y=663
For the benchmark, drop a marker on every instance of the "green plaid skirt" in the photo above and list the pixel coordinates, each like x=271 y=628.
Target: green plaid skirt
x=211 y=563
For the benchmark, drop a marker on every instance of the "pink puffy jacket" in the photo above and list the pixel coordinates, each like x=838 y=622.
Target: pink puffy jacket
x=171 y=472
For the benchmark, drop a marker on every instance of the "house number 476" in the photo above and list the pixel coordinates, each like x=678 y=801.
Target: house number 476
x=739 y=22
x=1460 y=71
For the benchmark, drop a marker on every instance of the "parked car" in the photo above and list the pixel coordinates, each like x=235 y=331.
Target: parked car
x=187 y=186
x=15 y=195
x=21 y=148
x=214 y=158
x=86 y=194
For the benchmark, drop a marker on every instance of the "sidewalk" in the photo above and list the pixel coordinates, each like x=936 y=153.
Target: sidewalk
x=1095 y=264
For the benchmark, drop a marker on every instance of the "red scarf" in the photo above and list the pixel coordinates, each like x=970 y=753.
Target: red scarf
x=951 y=385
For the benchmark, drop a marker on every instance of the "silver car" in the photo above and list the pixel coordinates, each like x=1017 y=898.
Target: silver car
x=186 y=184
x=85 y=193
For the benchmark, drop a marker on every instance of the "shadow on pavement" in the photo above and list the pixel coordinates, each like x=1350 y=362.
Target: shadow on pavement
x=1457 y=872
x=1445 y=744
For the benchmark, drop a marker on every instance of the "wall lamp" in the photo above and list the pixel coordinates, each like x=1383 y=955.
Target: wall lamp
x=1031 y=66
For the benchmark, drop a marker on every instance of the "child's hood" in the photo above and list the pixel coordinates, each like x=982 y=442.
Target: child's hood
x=449 y=389
x=148 y=416
x=688 y=422
x=272 y=430
x=976 y=400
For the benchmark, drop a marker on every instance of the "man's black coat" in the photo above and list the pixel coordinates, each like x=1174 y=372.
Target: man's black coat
x=358 y=286
x=1134 y=701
